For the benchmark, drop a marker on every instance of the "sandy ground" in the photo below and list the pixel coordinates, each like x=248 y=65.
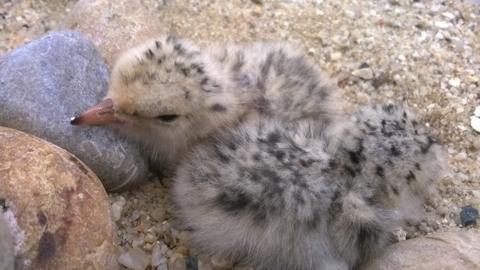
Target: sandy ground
x=422 y=53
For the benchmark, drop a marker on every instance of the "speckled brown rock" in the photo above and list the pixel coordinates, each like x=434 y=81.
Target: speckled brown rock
x=58 y=210
x=114 y=26
x=451 y=250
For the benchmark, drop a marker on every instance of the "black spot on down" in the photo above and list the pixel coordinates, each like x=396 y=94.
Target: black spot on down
x=218 y=108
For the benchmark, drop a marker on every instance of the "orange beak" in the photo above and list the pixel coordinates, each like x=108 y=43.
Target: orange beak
x=101 y=114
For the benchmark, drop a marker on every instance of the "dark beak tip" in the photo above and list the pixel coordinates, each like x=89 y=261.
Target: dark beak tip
x=75 y=121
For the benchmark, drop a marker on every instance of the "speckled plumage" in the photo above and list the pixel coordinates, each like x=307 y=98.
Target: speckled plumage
x=284 y=195
x=390 y=163
x=270 y=171
x=211 y=89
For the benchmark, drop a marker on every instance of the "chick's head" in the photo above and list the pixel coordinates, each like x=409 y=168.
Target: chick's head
x=164 y=94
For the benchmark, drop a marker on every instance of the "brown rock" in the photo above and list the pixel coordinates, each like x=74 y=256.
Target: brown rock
x=452 y=250
x=114 y=26
x=57 y=207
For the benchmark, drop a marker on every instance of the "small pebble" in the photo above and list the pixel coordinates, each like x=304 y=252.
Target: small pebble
x=455 y=82
x=448 y=15
x=477 y=111
x=138 y=241
x=135 y=215
x=134 y=259
x=150 y=238
x=475 y=123
x=147 y=247
x=157 y=256
x=468 y=215
x=400 y=234
x=336 y=56
x=442 y=24
x=350 y=13
x=117 y=208
x=257 y=11
x=363 y=98
x=473 y=79
x=364 y=73
x=461 y=156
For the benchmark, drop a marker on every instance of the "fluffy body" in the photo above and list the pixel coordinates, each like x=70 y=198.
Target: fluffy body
x=284 y=195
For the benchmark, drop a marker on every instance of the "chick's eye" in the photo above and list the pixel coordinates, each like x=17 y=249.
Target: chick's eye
x=167 y=117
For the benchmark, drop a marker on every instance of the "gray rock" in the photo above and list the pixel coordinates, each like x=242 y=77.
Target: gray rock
x=45 y=83
x=6 y=245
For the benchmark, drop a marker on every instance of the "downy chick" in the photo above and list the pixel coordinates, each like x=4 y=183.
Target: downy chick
x=284 y=195
x=169 y=94
x=281 y=179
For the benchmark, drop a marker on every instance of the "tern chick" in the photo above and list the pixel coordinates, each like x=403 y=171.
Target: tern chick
x=269 y=170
